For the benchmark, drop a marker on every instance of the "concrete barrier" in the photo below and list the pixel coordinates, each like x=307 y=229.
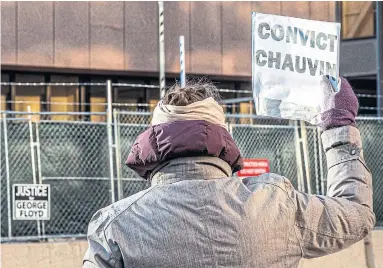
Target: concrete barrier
x=43 y=255
x=352 y=257
x=70 y=254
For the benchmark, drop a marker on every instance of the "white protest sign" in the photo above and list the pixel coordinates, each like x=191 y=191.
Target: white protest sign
x=31 y=201
x=289 y=56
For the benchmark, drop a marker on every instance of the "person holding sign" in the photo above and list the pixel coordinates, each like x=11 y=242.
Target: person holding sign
x=196 y=214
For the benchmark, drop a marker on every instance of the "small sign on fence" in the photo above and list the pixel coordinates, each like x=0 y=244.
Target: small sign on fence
x=254 y=167
x=31 y=201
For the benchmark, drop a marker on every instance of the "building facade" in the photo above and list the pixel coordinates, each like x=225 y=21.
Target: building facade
x=94 y=41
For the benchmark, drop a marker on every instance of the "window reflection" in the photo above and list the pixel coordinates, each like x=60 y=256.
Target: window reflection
x=358 y=19
x=129 y=95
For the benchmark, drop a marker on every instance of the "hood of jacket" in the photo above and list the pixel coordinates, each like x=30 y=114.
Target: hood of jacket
x=186 y=138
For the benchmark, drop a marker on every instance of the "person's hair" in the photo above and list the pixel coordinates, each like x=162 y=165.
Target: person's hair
x=196 y=89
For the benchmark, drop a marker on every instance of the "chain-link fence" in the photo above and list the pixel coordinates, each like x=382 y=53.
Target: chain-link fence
x=74 y=161
x=75 y=158
x=372 y=133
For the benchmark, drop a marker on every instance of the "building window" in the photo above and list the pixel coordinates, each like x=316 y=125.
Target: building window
x=29 y=95
x=5 y=93
x=97 y=99
x=230 y=108
x=130 y=96
x=358 y=19
x=63 y=99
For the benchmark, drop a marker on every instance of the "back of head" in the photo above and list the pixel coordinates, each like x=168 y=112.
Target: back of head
x=196 y=89
x=185 y=114
x=197 y=100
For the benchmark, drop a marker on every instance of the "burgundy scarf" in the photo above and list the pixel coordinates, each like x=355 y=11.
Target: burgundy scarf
x=187 y=138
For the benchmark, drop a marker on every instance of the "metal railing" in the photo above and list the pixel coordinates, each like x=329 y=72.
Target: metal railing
x=83 y=162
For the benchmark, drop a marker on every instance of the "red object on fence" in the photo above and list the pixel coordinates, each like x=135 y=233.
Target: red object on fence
x=254 y=167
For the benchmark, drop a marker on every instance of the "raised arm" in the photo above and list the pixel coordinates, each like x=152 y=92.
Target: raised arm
x=327 y=224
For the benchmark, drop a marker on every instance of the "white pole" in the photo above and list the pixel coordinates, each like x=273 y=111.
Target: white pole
x=182 y=61
x=38 y=154
x=8 y=177
x=32 y=144
x=161 y=39
x=33 y=157
x=110 y=137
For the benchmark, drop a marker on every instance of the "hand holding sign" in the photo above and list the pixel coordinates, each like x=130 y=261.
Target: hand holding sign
x=337 y=108
x=289 y=57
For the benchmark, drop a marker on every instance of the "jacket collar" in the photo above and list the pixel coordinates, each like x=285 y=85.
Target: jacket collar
x=190 y=168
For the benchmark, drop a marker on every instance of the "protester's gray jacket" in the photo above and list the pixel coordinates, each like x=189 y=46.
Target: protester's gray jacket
x=196 y=215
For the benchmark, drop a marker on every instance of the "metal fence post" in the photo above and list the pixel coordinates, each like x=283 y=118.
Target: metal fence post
x=229 y=128
x=32 y=145
x=298 y=158
x=379 y=57
x=37 y=144
x=116 y=116
x=306 y=156
x=39 y=172
x=33 y=160
x=110 y=137
x=316 y=162
x=7 y=176
x=252 y=113
x=320 y=149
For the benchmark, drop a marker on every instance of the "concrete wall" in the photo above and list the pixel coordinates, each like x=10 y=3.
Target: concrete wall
x=70 y=254
x=123 y=35
x=352 y=257
x=43 y=255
